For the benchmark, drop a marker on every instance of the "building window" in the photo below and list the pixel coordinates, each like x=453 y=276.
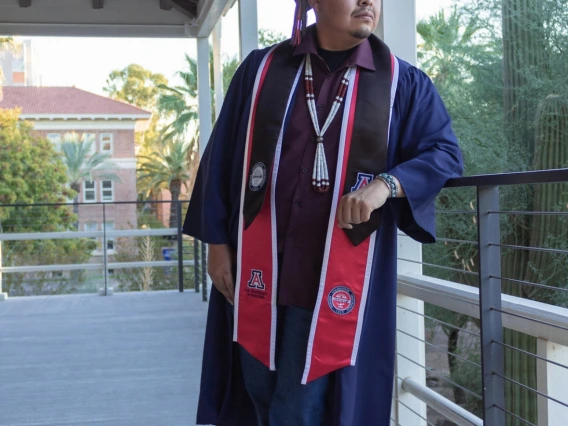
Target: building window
x=89 y=192
x=90 y=137
x=109 y=226
x=107 y=190
x=55 y=139
x=91 y=226
x=106 y=142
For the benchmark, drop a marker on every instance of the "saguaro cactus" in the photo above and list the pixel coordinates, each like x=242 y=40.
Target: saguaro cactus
x=551 y=152
x=523 y=56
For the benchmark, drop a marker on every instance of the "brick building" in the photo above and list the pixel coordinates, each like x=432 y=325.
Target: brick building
x=110 y=124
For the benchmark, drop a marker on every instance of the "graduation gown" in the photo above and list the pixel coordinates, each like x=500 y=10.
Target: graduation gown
x=422 y=153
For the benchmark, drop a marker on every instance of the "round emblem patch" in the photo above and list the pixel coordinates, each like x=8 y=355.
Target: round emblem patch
x=257 y=177
x=341 y=300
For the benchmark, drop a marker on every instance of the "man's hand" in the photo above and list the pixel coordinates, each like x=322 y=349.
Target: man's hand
x=356 y=207
x=219 y=267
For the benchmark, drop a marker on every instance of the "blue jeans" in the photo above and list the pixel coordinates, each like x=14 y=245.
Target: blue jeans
x=278 y=396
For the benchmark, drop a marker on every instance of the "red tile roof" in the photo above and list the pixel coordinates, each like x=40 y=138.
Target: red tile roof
x=63 y=100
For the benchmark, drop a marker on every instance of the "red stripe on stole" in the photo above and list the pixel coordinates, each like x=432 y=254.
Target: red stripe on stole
x=255 y=305
x=335 y=334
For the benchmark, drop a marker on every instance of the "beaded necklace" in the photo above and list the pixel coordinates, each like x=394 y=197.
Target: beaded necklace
x=320 y=175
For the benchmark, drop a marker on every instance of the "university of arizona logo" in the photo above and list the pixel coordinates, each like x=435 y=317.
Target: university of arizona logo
x=363 y=179
x=257 y=177
x=341 y=300
x=256 y=280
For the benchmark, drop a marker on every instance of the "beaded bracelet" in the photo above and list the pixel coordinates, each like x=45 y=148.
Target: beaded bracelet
x=390 y=182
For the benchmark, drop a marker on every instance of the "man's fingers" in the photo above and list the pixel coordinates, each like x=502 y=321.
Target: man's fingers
x=355 y=213
x=366 y=215
x=219 y=283
x=230 y=285
x=344 y=214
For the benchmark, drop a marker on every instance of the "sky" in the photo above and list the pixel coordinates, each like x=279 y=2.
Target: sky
x=86 y=62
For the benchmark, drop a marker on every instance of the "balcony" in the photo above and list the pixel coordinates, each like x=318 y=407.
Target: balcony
x=135 y=357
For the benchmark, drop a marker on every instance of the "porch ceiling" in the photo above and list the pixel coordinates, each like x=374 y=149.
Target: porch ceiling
x=111 y=18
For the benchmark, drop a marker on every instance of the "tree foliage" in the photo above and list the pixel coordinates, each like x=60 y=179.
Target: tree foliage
x=501 y=68
x=167 y=168
x=135 y=85
x=32 y=172
x=267 y=38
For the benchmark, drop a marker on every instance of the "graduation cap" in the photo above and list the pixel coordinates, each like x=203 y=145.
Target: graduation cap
x=300 y=21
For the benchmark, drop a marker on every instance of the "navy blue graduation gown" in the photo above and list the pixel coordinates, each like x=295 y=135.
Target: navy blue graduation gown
x=423 y=154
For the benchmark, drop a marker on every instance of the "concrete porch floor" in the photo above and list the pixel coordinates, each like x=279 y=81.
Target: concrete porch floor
x=131 y=359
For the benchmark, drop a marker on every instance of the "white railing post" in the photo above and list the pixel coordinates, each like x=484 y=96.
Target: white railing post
x=551 y=381
x=397 y=27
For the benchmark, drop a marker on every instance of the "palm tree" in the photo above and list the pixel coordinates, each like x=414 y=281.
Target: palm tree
x=447 y=44
x=167 y=168
x=82 y=164
x=179 y=102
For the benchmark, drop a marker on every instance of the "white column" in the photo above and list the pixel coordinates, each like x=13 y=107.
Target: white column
x=248 y=27
x=551 y=381
x=217 y=69
x=203 y=93
x=397 y=28
x=3 y=296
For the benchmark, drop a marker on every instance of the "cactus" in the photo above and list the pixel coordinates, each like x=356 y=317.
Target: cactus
x=551 y=152
x=524 y=55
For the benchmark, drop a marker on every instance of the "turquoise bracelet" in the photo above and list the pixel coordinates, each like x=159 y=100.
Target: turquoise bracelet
x=390 y=182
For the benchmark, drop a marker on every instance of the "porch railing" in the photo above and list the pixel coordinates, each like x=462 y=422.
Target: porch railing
x=495 y=312
x=109 y=260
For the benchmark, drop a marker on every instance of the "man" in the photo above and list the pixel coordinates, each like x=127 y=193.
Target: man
x=324 y=146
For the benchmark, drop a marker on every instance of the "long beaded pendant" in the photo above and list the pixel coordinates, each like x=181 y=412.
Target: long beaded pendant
x=320 y=175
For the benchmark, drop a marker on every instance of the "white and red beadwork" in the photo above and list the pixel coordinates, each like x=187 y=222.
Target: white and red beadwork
x=320 y=175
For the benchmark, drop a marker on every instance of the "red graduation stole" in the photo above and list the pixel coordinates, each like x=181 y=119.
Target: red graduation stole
x=344 y=283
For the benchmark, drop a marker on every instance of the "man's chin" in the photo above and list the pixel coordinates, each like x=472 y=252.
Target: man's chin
x=362 y=32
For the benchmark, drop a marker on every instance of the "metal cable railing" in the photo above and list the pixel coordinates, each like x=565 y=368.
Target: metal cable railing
x=93 y=247
x=522 y=314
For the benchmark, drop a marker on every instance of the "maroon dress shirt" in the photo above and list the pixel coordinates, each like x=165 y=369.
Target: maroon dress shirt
x=302 y=215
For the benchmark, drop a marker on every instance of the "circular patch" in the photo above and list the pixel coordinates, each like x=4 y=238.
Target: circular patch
x=341 y=300
x=257 y=177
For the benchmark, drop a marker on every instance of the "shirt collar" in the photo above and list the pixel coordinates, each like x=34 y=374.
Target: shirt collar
x=362 y=56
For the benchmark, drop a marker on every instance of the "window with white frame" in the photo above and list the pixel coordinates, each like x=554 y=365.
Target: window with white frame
x=106 y=142
x=93 y=226
x=55 y=139
x=109 y=226
x=107 y=190
x=89 y=191
x=90 y=226
x=90 y=137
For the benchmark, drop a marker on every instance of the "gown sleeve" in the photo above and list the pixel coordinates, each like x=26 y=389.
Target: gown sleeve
x=429 y=155
x=207 y=217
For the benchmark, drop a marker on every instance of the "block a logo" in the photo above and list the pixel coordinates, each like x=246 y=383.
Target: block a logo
x=363 y=179
x=256 y=280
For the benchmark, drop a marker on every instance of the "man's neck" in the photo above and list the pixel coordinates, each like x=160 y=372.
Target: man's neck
x=328 y=40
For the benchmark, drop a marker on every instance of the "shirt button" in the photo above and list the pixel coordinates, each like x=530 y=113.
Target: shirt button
x=320 y=107
x=329 y=77
x=304 y=170
x=289 y=234
x=296 y=202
